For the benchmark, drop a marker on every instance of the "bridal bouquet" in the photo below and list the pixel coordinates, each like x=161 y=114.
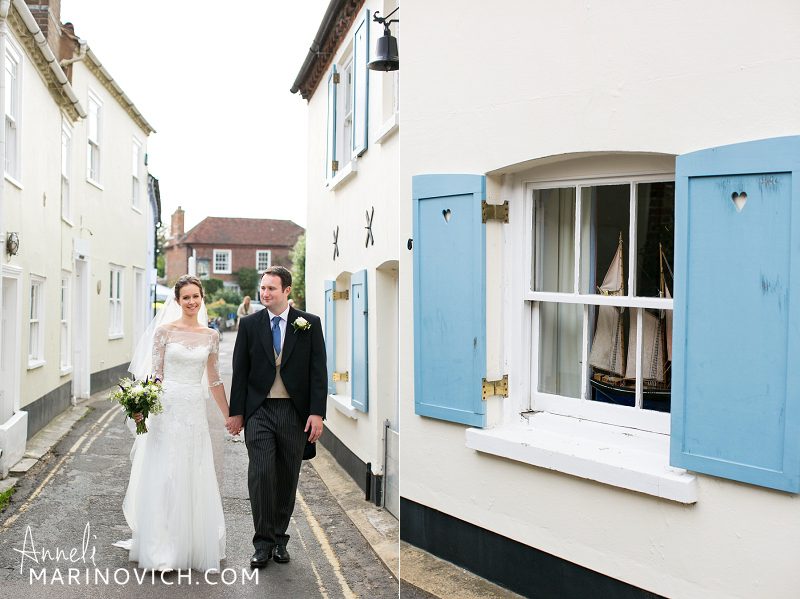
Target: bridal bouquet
x=141 y=397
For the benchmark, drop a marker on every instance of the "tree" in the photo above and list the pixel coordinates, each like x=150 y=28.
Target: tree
x=298 y=255
x=212 y=285
x=248 y=281
x=161 y=240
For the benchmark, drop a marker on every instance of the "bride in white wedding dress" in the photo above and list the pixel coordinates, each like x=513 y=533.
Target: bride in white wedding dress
x=173 y=503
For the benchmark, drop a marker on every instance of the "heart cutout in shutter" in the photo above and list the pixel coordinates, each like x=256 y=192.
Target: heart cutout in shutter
x=446 y=214
x=739 y=200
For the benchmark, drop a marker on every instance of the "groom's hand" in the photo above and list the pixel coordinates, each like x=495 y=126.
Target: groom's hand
x=314 y=427
x=234 y=424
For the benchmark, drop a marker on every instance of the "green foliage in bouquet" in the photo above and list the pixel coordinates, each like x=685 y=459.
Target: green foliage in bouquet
x=139 y=397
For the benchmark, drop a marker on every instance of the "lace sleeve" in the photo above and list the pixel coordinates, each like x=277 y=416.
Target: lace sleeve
x=212 y=367
x=159 y=347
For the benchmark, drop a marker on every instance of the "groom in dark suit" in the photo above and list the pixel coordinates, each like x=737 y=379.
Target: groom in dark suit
x=278 y=394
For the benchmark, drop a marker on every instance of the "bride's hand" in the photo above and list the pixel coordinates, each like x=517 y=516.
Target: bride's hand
x=138 y=417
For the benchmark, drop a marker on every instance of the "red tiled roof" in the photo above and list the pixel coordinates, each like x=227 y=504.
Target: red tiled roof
x=243 y=231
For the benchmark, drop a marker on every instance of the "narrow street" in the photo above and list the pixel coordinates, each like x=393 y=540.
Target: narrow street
x=70 y=505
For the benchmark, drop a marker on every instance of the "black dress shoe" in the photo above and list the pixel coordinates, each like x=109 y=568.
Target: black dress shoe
x=280 y=555
x=260 y=558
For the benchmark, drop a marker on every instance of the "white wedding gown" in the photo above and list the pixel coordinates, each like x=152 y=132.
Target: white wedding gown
x=173 y=502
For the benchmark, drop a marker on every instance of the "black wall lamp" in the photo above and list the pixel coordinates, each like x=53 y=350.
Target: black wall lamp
x=386 y=55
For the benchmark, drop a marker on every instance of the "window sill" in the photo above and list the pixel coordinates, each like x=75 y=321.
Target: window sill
x=345 y=405
x=65 y=371
x=34 y=364
x=391 y=125
x=112 y=336
x=347 y=173
x=13 y=181
x=97 y=184
x=621 y=457
x=222 y=272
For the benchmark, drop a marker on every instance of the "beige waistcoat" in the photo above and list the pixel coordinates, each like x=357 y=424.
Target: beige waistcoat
x=278 y=390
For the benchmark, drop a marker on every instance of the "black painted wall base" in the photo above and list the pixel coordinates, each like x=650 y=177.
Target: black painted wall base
x=518 y=567
x=104 y=379
x=359 y=471
x=47 y=407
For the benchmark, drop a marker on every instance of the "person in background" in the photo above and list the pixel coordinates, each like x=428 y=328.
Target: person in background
x=245 y=309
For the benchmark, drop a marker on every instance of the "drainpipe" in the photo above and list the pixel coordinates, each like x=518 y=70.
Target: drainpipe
x=83 y=48
x=5 y=6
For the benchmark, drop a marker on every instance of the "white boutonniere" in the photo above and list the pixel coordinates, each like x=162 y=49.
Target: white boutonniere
x=301 y=324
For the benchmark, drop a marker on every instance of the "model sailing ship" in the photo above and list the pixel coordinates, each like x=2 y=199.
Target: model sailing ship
x=614 y=372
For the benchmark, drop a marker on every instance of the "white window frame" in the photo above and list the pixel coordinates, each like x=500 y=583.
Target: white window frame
x=633 y=417
x=116 y=314
x=224 y=270
x=94 y=140
x=344 y=109
x=615 y=445
x=13 y=113
x=136 y=175
x=342 y=400
x=66 y=172
x=259 y=254
x=203 y=273
x=65 y=328
x=36 y=322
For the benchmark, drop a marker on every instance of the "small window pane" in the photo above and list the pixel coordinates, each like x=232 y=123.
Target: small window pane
x=605 y=225
x=554 y=240
x=655 y=206
x=561 y=332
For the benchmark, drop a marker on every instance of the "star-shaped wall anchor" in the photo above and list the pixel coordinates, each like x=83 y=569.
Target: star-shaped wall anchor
x=336 y=242
x=370 y=238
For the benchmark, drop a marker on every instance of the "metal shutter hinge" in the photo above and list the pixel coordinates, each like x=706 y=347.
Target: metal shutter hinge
x=494 y=212
x=499 y=388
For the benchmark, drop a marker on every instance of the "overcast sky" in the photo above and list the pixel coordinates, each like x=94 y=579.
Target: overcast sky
x=213 y=79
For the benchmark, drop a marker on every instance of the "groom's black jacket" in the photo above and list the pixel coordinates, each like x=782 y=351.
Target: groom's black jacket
x=303 y=365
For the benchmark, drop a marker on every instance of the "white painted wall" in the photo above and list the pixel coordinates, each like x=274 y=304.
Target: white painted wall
x=539 y=79
x=32 y=207
x=102 y=220
x=373 y=185
x=120 y=234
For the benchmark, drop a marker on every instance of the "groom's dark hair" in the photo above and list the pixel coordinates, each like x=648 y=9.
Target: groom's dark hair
x=279 y=271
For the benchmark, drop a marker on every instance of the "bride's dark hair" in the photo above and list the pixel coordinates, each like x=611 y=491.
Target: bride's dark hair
x=188 y=280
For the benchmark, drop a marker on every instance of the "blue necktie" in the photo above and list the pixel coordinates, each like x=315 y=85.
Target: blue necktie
x=276 y=334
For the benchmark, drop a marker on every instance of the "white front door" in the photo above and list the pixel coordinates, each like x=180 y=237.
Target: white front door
x=80 y=331
x=9 y=348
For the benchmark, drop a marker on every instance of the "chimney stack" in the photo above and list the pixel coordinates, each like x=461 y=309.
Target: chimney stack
x=176 y=228
x=48 y=16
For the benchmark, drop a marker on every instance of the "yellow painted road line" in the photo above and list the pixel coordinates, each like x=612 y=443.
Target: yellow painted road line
x=72 y=450
x=320 y=584
x=99 y=432
x=322 y=539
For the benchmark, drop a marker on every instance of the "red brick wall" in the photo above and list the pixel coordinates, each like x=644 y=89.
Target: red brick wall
x=177 y=260
x=176 y=263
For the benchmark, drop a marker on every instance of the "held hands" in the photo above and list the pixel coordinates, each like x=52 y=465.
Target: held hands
x=234 y=424
x=314 y=425
x=137 y=417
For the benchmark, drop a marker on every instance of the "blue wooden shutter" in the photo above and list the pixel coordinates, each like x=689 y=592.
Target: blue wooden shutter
x=330 y=153
x=359 y=371
x=449 y=297
x=330 y=333
x=736 y=380
x=360 y=85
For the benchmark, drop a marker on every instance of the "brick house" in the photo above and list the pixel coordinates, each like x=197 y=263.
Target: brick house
x=222 y=246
